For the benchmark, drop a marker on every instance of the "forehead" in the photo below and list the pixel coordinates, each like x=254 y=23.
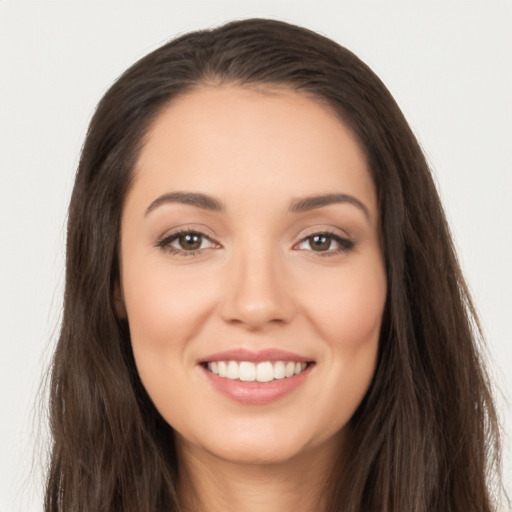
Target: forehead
x=231 y=140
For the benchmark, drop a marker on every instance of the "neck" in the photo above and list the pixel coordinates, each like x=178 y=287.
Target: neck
x=210 y=484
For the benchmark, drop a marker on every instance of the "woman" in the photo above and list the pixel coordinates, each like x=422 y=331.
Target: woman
x=263 y=307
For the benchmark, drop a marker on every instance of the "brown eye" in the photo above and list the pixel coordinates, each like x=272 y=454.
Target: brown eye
x=186 y=243
x=190 y=241
x=320 y=242
x=327 y=243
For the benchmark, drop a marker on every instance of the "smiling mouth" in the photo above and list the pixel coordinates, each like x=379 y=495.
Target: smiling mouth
x=247 y=371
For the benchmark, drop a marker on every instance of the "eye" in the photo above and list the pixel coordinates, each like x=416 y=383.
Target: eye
x=186 y=243
x=327 y=243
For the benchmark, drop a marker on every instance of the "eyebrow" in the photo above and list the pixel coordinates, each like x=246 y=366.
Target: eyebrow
x=305 y=204
x=191 y=198
x=313 y=202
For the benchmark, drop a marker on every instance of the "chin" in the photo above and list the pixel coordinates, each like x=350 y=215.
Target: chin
x=262 y=445
x=257 y=453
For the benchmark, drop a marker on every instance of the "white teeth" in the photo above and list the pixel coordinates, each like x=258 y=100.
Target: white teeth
x=232 y=370
x=222 y=368
x=279 y=370
x=247 y=371
x=290 y=369
x=264 y=372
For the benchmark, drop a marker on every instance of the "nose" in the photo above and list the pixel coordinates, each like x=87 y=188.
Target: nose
x=256 y=293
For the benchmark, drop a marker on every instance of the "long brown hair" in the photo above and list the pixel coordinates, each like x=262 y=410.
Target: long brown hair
x=425 y=437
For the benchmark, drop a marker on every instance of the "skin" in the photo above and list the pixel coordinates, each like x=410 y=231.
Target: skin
x=256 y=282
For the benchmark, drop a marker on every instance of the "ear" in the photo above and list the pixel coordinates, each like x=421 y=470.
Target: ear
x=119 y=307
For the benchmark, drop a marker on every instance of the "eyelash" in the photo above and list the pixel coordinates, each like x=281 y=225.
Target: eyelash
x=167 y=240
x=345 y=244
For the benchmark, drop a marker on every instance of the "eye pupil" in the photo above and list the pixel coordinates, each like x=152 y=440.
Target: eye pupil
x=190 y=241
x=320 y=242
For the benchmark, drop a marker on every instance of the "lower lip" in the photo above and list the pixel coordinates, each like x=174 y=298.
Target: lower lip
x=256 y=393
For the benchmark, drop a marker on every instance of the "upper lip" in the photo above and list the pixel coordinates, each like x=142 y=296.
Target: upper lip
x=255 y=356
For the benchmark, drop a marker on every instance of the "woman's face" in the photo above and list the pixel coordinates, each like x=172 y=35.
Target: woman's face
x=252 y=275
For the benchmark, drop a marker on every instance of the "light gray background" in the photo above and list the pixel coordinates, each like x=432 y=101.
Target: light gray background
x=447 y=63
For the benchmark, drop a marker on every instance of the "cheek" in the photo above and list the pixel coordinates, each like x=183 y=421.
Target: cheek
x=348 y=318
x=348 y=308
x=165 y=311
x=349 y=321
x=163 y=307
